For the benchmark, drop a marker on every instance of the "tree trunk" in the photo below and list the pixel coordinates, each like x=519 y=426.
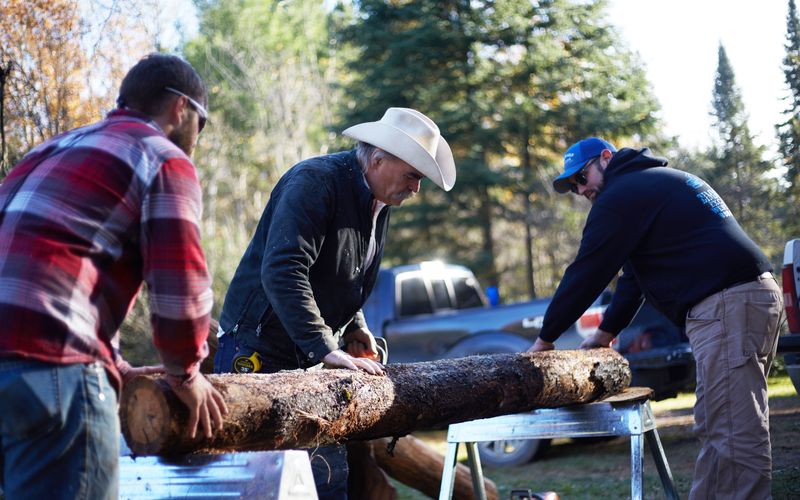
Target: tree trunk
x=304 y=409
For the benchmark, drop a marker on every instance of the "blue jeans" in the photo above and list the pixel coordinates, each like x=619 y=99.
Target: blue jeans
x=226 y=351
x=59 y=432
x=330 y=470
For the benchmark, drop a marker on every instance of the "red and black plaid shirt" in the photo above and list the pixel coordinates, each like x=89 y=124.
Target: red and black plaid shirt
x=85 y=218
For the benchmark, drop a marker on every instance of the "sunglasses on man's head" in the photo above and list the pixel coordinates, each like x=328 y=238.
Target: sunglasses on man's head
x=580 y=177
x=201 y=111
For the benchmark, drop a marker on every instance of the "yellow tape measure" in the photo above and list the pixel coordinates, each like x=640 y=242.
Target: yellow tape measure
x=247 y=364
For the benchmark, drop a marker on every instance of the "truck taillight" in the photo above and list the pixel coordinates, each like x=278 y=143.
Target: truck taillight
x=591 y=319
x=789 y=279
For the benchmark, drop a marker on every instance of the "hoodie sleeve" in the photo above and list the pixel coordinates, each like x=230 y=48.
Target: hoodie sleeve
x=608 y=240
x=626 y=301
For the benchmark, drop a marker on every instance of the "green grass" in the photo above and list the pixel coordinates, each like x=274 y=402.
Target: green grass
x=581 y=469
x=780 y=387
x=682 y=401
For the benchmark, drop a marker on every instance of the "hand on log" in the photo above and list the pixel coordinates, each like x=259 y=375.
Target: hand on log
x=341 y=359
x=205 y=404
x=303 y=409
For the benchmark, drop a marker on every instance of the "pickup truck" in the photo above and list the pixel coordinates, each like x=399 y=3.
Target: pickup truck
x=434 y=310
x=789 y=344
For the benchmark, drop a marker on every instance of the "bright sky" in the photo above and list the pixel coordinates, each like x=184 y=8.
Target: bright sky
x=678 y=41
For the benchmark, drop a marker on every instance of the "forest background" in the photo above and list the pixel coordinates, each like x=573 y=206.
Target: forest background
x=511 y=83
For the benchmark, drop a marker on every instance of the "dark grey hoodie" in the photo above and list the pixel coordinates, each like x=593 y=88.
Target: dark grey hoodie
x=675 y=237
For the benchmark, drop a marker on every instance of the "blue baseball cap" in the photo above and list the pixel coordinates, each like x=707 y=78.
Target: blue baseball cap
x=577 y=156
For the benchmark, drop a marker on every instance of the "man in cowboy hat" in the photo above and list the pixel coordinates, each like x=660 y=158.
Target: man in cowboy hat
x=295 y=299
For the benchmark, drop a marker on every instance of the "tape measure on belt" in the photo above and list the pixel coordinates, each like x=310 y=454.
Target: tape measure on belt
x=247 y=364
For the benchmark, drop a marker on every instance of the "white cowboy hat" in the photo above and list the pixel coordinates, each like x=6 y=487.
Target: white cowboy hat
x=414 y=138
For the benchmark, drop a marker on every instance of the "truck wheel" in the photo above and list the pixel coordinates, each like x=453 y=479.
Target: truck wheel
x=512 y=452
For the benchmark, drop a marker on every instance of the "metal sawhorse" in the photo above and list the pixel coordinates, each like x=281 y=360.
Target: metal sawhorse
x=626 y=414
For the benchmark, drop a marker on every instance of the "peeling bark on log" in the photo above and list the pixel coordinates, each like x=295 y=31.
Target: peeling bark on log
x=298 y=409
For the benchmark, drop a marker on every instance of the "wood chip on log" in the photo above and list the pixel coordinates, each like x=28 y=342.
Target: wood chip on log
x=304 y=409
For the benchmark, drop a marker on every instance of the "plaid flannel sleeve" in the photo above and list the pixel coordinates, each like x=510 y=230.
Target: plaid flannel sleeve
x=175 y=270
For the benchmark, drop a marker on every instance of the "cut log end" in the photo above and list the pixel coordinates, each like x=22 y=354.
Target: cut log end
x=145 y=416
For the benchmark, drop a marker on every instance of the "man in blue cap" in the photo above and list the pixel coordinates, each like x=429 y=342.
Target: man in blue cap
x=680 y=247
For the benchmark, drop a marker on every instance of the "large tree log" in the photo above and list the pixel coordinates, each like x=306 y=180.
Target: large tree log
x=303 y=409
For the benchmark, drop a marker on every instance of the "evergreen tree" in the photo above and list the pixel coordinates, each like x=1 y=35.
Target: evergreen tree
x=566 y=75
x=789 y=130
x=740 y=175
x=510 y=82
x=421 y=55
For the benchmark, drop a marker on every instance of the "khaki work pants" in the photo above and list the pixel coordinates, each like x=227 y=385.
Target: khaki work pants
x=734 y=335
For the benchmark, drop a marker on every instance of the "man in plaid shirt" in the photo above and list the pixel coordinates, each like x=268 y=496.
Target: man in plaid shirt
x=85 y=218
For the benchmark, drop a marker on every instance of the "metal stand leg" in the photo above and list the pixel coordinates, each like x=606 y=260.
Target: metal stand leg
x=632 y=418
x=477 y=471
x=449 y=472
x=637 y=466
x=664 y=473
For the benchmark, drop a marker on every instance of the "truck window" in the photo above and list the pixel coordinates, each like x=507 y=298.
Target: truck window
x=441 y=297
x=414 y=298
x=466 y=294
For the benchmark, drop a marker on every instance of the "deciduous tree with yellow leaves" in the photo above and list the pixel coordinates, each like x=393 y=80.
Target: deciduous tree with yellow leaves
x=61 y=62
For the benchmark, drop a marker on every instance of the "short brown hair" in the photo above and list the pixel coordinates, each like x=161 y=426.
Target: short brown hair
x=143 y=87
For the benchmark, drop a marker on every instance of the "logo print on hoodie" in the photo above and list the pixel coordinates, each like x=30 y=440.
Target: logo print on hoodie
x=708 y=196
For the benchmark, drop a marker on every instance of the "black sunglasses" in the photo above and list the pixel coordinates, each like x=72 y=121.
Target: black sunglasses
x=202 y=114
x=580 y=177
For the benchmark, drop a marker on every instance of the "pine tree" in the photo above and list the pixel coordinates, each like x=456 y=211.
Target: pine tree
x=546 y=104
x=511 y=83
x=740 y=175
x=421 y=55
x=789 y=130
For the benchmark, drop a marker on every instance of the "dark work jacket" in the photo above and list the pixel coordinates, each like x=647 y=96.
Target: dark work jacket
x=674 y=235
x=301 y=282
